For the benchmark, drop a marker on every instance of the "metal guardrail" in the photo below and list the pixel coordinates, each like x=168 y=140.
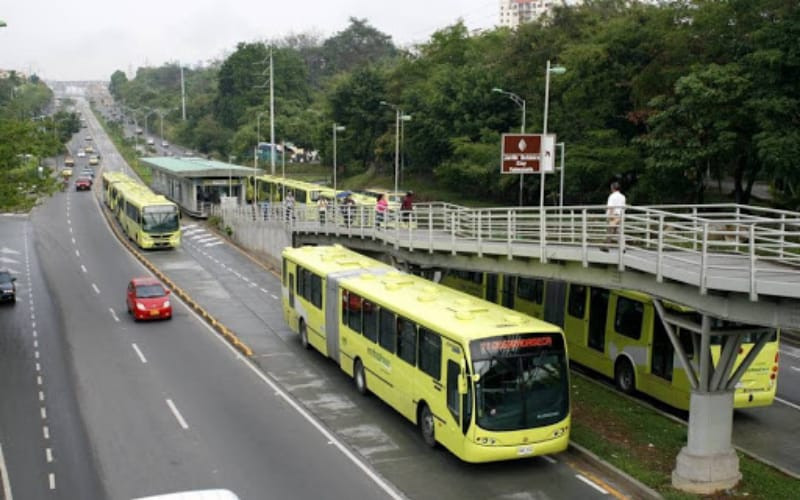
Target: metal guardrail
x=710 y=244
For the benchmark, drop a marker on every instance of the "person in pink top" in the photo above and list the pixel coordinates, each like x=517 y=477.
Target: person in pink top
x=381 y=206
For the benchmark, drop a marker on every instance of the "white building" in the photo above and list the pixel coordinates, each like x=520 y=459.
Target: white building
x=516 y=12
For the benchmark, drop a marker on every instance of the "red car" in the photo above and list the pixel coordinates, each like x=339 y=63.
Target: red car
x=147 y=298
x=83 y=184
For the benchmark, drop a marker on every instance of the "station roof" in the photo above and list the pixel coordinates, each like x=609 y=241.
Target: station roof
x=193 y=167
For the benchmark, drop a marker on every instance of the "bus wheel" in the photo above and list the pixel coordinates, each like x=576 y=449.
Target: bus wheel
x=426 y=426
x=624 y=376
x=360 y=377
x=303 y=334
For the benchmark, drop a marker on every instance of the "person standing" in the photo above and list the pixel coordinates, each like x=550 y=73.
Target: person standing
x=322 y=209
x=407 y=206
x=288 y=204
x=616 y=207
x=381 y=206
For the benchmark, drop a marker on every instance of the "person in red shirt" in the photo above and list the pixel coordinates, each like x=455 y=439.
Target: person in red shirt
x=407 y=205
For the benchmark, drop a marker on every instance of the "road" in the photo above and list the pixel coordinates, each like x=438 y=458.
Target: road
x=141 y=409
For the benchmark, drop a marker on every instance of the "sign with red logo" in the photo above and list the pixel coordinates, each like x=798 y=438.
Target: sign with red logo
x=527 y=153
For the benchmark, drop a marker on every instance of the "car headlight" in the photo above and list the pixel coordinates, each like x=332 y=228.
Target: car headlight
x=140 y=306
x=166 y=303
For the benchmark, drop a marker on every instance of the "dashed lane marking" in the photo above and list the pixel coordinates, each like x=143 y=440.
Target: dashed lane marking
x=590 y=483
x=274 y=296
x=52 y=479
x=787 y=403
x=114 y=314
x=43 y=412
x=4 y=475
x=177 y=414
x=83 y=268
x=49 y=453
x=96 y=290
x=550 y=459
x=46 y=432
x=139 y=353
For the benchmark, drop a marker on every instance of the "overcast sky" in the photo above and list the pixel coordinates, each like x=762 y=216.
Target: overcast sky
x=90 y=39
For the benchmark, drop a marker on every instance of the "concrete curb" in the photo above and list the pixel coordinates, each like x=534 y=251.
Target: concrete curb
x=615 y=473
x=223 y=330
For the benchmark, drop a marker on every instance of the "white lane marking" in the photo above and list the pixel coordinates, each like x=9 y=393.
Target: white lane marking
x=70 y=230
x=794 y=353
x=96 y=290
x=69 y=221
x=787 y=403
x=4 y=475
x=214 y=244
x=188 y=226
x=46 y=432
x=263 y=290
x=139 y=353
x=590 y=483
x=83 y=268
x=52 y=478
x=38 y=380
x=114 y=314
x=49 y=454
x=177 y=414
x=550 y=459
x=208 y=239
x=274 y=296
x=77 y=253
x=73 y=241
x=35 y=344
x=36 y=354
x=35 y=334
x=33 y=325
x=38 y=367
x=795 y=368
x=43 y=412
x=41 y=396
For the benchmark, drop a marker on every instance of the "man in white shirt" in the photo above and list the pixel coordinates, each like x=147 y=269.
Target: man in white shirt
x=616 y=205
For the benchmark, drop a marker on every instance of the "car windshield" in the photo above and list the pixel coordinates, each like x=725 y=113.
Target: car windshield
x=149 y=291
x=523 y=381
x=160 y=219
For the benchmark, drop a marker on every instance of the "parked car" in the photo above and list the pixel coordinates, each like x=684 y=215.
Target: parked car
x=83 y=183
x=8 y=290
x=147 y=298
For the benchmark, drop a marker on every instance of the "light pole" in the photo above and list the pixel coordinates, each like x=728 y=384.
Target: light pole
x=398 y=116
x=561 y=183
x=336 y=128
x=557 y=70
x=519 y=101
x=146 y=133
x=161 y=116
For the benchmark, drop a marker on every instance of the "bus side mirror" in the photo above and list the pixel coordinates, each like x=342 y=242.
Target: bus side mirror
x=462 y=384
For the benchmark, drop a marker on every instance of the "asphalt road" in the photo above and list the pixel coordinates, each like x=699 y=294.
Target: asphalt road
x=42 y=433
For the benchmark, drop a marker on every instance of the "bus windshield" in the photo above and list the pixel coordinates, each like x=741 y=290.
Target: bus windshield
x=522 y=381
x=161 y=219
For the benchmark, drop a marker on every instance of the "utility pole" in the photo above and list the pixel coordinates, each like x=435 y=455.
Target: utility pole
x=271 y=115
x=183 y=95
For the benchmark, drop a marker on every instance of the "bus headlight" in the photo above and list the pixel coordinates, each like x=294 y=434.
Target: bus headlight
x=559 y=432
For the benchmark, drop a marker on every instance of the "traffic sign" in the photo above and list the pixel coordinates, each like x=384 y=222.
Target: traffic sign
x=527 y=153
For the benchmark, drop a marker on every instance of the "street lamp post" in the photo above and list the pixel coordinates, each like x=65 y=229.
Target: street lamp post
x=398 y=117
x=146 y=133
x=336 y=128
x=561 y=183
x=557 y=70
x=519 y=101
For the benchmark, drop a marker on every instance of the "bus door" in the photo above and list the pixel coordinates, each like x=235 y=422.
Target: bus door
x=491 y=287
x=458 y=414
x=509 y=291
x=658 y=382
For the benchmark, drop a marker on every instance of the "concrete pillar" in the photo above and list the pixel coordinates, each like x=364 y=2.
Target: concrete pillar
x=708 y=462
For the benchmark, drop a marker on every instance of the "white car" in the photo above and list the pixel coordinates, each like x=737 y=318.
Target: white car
x=81 y=153
x=150 y=141
x=164 y=144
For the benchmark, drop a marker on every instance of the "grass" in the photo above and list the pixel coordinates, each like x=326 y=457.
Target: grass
x=644 y=444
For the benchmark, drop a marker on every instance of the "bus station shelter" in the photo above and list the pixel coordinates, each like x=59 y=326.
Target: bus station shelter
x=196 y=183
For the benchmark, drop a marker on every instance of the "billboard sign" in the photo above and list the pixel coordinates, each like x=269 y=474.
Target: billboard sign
x=527 y=153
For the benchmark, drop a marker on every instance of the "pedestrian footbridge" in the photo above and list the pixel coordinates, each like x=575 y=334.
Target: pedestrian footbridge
x=731 y=261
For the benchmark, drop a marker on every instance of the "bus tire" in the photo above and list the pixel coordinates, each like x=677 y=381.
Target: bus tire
x=303 y=334
x=360 y=378
x=426 y=426
x=624 y=376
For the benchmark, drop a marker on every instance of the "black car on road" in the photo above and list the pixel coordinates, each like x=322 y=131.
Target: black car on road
x=8 y=290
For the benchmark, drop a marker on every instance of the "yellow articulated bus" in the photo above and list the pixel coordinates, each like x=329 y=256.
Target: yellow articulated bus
x=619 y=334
x=149 y=219
x=485 y=382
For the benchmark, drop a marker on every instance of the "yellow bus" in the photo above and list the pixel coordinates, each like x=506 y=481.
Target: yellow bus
x=149 y=219
x=619 y=334
x=483 y=381
x=109 y=180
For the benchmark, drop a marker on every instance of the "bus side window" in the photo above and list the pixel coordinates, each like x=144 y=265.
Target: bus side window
x=371 y=315
x=345 y=307
x=354 y=317
x=407 y=340
x=628 y=318
x=316 y=290
x=453 y=370
x=387 y=335
x=430 y=353
x=576 y=302
x=283 y=273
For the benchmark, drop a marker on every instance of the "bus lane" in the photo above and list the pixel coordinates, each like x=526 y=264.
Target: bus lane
x=390 y=443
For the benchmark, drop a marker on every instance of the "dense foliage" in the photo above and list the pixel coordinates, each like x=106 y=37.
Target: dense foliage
x=27 y=136
x=668 y=97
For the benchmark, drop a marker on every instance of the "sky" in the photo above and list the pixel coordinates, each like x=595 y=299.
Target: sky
x=90 y=39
